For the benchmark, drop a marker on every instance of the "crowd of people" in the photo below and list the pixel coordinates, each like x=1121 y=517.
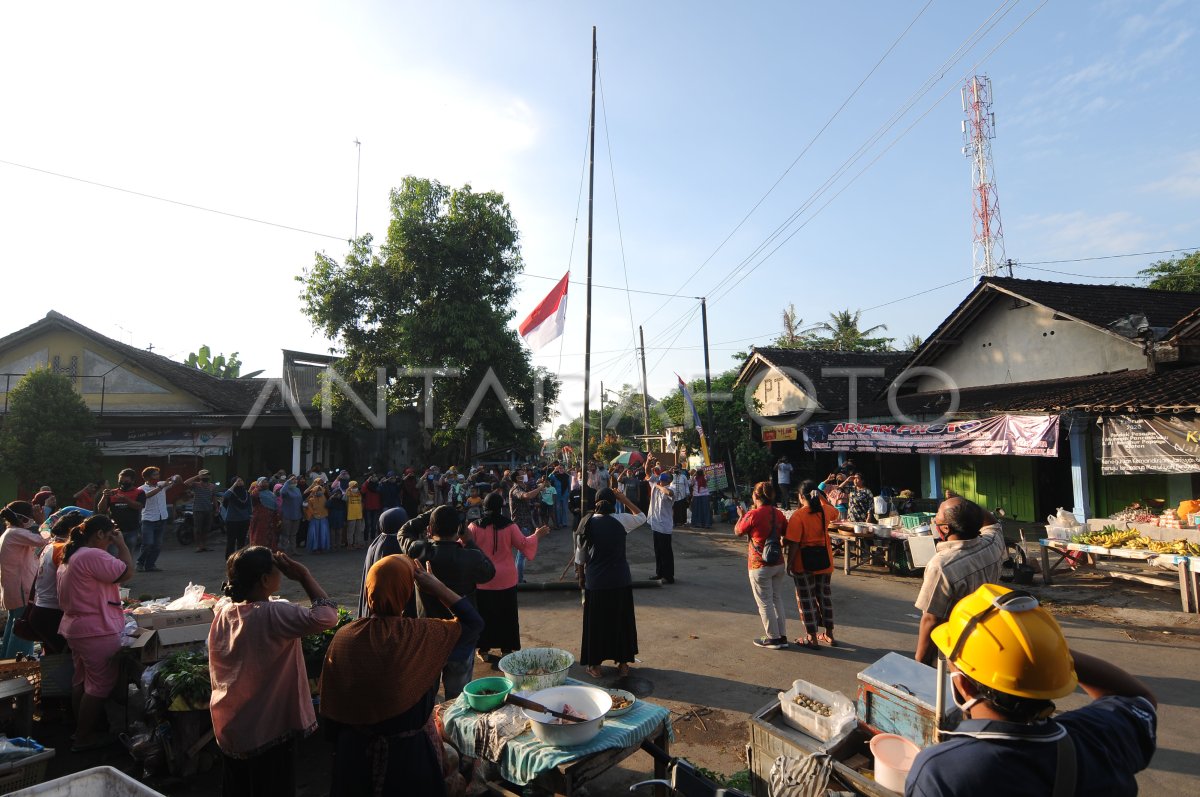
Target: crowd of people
x=445 y=553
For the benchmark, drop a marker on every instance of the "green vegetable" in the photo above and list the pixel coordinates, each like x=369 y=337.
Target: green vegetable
x=315 y=644
x=185 y=675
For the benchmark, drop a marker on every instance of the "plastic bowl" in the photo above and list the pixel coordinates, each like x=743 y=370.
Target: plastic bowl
x=893 y=758
x=589 y=701
x=532 y=669
x=499 y=687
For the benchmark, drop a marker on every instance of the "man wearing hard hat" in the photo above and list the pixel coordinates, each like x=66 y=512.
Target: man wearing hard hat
x=1008 y=660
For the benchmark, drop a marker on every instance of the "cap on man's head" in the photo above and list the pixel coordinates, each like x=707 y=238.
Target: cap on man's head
x=202 y=473
x=41 y=498
x=664 y=478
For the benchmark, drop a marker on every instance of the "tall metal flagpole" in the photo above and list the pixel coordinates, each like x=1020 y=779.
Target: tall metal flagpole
x=357 y=182
x=584 y=456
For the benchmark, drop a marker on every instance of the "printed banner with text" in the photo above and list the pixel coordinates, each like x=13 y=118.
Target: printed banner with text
x=1014 y=435
x=1130 y=446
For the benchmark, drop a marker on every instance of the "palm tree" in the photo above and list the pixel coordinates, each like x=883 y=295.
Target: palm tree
x=844 y=334
x=912 y=343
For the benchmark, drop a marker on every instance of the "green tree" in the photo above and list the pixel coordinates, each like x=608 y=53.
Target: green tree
x=843 y=333
x=225 y=367
x=45 y=434
x=437 y=294
x=794 y=335
x=1175 y=274
x=912 y=343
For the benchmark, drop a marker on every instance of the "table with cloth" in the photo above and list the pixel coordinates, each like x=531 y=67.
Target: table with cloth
x=504 y=738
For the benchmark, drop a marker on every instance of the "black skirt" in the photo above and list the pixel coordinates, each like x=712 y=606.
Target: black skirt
x=609 y=627
x=501 y=626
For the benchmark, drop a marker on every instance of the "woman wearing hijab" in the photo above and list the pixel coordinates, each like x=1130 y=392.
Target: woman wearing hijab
x=19 y=549
x=261 y=702
x=609 y=625
x=811 y=563
x=238 y=511
x=264 y=518
x=497 y=536
x=379 y=683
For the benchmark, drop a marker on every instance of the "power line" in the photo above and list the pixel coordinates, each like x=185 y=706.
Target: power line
x=1107 y=257
x=174 y=201
x=610 y=287
x=807 y=146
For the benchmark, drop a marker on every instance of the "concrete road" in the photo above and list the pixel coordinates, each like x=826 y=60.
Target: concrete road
x=695 y=641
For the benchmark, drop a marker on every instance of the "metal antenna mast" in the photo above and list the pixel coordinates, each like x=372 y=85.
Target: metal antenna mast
x=979 y=128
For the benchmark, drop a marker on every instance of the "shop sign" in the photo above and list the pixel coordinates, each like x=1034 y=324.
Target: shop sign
x=1130 y=446
x=999 y=435
x=776 y=434
x=715 y=473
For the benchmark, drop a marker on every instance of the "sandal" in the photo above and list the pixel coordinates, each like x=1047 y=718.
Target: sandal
x=593 y=671
x=623 y=670
x=806 y=642
x=828 y=639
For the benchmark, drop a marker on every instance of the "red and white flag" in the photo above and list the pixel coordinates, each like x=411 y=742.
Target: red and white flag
x=549 y=318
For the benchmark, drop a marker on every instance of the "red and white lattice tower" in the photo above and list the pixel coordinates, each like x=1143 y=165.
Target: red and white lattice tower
x=979 y=128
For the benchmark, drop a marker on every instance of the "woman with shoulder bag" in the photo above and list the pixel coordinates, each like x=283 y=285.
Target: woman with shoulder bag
x=810 y=560
x=765 y=526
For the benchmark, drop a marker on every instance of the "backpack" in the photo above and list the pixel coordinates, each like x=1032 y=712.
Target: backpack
x=771 y=551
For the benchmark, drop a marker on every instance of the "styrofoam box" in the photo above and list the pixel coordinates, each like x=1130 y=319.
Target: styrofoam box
x=95 y=782
x=816 y=726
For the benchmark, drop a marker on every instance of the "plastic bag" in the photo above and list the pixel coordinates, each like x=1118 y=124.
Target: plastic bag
x=193 y=598
x=17 y=748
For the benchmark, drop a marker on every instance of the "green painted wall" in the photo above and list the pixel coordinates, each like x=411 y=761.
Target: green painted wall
x=1113 y=493
x=992 y=482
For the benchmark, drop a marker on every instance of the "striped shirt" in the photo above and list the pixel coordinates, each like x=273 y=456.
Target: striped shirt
x=959 y=568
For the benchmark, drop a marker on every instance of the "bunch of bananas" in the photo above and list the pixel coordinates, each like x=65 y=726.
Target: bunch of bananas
x=1178 y=547
x=1109 y=537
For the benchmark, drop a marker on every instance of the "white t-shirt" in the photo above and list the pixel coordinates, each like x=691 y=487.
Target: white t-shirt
x=784 y=469
x=662 y=511
x=45 y=589
x=156 y=505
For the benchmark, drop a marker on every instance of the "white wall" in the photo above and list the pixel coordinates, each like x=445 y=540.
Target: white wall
x=1026 y=344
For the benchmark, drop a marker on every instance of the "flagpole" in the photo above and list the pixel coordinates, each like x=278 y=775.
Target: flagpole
x=587 y=344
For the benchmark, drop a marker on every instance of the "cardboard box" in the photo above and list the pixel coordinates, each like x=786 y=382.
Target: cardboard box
x=156 y=644
x=174 y=619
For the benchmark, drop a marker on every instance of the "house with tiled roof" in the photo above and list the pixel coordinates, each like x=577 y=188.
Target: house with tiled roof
x=1026 y=395
x=151 y=409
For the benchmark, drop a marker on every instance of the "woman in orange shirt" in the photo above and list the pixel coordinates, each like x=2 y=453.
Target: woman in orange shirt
x=810 y=560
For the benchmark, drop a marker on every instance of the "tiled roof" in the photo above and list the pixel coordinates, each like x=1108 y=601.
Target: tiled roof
x=228 y=396
x=1098 y=305
x=833 y=392
x=1102 y=305
x=1130 y=392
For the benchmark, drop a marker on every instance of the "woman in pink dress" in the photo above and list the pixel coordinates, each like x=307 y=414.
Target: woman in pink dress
x=261 y=703
x=498 y=536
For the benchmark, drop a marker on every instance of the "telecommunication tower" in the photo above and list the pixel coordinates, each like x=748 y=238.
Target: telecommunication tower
x=979 y=128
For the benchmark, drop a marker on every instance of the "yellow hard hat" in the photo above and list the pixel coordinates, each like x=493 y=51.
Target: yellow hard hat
x=1002 y=639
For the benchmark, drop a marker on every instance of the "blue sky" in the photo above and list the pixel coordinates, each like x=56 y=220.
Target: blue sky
x=252 y=109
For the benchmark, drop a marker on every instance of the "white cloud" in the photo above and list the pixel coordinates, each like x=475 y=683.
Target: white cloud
x=1184 y=180
x=1080 y=234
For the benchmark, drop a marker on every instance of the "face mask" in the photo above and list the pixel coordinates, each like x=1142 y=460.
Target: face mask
x=964 y=707
x=126 y=485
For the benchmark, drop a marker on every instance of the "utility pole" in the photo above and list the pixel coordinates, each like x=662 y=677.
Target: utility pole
x=708 y=421
x=645 y=395
x=587 y=347
x=602 y=412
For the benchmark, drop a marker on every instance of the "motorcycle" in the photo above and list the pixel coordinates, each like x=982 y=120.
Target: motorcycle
x=185 y=530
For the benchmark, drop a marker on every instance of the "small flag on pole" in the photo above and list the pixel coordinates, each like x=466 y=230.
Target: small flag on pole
x=549 y=318
x=687 y=396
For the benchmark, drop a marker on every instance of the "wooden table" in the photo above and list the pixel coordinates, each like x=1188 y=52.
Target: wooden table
x=565 y=778
x=1131 y=564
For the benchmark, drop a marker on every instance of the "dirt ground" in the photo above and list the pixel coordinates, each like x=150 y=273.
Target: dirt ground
x=696 y=658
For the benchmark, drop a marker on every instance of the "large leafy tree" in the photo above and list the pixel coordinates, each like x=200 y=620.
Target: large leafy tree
x=45 y=434
x=1174 y=274
x=437 y=294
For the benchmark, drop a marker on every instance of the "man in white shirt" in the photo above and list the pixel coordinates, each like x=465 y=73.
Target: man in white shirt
x=154 y=518
x=662 y=521
x=783 y=475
